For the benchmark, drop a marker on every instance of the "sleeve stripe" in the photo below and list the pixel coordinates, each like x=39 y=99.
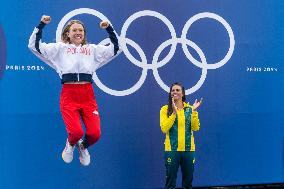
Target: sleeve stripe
x=39 y=36
x=113 y=38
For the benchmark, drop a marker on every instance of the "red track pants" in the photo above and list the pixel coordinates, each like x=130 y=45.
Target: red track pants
x=78 y=101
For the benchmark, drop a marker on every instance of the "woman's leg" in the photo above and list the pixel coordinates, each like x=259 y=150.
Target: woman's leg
x=73 y=125
x=187 y=168
x=71 y=118
x=172 y=161
x=70 y=114
x=91 y=119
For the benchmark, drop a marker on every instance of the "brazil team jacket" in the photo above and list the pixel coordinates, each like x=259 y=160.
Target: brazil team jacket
x=68 y=58
x=179 y=128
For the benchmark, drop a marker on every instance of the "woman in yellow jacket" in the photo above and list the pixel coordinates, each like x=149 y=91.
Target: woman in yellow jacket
x=178 y=120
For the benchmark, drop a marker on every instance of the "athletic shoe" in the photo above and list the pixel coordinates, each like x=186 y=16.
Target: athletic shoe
x=67 y=154
x=84 y=153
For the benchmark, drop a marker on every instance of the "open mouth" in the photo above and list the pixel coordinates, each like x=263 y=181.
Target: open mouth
x=78 y=36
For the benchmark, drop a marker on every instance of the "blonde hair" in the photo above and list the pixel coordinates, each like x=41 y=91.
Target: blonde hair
x=66 y=29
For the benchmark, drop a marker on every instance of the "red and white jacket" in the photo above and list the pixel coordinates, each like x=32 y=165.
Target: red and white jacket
x=67 y=58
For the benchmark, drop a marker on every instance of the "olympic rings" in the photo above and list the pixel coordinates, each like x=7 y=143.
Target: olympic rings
x=154 y=63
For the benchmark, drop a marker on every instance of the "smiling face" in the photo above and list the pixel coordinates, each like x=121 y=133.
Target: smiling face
x=76 y=34
x=176 y=93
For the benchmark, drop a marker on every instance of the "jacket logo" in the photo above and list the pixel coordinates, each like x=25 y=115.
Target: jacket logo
x=82 y=50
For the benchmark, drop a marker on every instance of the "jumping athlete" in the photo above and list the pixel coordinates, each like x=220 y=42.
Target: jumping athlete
x=75 y=60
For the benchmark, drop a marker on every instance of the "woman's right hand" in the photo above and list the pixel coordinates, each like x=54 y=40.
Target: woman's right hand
x=174 y=106
x=45 y=19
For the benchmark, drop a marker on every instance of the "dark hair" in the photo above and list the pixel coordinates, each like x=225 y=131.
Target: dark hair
x=66 y=29
x=170 y=107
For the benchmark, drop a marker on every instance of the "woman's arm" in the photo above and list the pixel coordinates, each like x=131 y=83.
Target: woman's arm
x=45 y=52
x=103 y=54
x=194 y=120
x=195 y=124
x=166 y=122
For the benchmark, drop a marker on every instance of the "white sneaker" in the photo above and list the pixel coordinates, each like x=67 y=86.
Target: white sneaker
x=67 y=154
x=84 y=153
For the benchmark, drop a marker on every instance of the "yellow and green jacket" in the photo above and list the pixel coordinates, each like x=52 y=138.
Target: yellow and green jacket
x=179 y=128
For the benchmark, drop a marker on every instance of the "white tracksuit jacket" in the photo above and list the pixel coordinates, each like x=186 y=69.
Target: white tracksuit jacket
x=67 y=58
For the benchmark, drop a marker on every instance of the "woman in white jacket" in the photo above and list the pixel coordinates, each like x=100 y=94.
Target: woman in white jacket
x=75 y=61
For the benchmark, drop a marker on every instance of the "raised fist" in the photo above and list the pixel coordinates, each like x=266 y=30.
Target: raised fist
x=104 y=24
x=46 y=19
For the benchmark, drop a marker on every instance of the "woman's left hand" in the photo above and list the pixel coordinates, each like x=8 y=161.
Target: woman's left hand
x=104 y=24
x=196 y=104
